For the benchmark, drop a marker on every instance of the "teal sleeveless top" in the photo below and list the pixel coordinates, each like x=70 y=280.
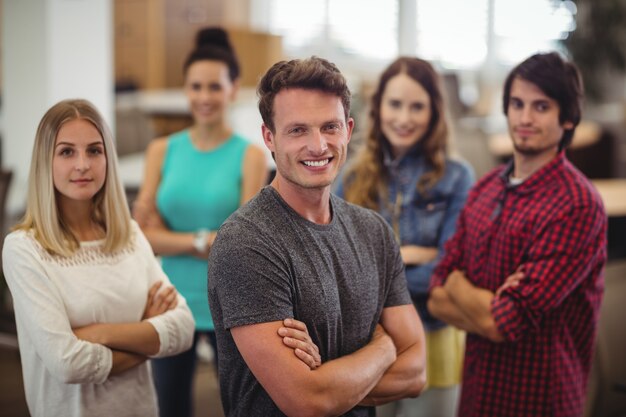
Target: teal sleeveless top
x=198 y=190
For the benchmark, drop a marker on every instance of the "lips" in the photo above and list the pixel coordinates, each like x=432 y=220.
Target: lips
x=526 y=132
x=81 y=181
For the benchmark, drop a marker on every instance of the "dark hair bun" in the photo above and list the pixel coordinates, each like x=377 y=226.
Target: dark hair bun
x=213 y=36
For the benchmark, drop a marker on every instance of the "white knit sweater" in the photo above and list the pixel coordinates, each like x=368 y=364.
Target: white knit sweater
x=64 y=376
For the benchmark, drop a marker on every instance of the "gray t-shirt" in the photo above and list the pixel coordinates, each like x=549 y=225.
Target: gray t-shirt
x=268 y=263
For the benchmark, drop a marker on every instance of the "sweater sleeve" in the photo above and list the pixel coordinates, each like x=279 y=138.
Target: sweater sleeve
x=175 y=327
x=42 y=317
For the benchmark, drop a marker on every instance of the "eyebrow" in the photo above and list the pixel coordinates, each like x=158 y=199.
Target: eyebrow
x=541 y=100
x=100 y=142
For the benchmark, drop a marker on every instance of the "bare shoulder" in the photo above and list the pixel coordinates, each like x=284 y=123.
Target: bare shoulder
x=157 y=147
x=254 y=153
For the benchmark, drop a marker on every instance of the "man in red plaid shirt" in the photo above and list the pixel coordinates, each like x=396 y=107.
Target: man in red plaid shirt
x=523 y=275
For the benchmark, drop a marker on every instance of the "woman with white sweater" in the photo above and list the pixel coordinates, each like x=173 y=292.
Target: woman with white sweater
x=91 y=301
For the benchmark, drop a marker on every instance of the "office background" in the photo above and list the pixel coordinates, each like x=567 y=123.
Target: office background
x=126 y=56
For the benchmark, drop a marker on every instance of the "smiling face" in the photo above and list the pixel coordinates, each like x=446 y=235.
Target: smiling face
x=79 y=162
x=405 y=113
x=310 y=139
x=533 y=120
x=209 y=91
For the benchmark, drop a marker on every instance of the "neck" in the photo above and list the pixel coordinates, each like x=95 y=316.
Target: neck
x=208 y=137
x=313 y=204
x=78 y=218
x=526 y=165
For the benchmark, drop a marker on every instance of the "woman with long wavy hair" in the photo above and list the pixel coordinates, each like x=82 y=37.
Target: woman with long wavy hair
x=403 y=172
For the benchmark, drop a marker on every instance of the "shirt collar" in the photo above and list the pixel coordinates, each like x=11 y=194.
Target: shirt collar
x=541 y=177
x=414 y=153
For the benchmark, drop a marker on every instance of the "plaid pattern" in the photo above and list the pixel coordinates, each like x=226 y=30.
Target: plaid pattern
x=554 y=225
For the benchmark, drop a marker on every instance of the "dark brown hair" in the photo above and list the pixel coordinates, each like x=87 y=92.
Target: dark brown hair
x=310 y=74
x=213 y=44
x=558 y=79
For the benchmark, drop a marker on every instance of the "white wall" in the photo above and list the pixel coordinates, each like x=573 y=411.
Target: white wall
x=52 y=50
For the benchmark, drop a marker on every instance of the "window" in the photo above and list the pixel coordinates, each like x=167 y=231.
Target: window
x=461 y=34
x=336 y=28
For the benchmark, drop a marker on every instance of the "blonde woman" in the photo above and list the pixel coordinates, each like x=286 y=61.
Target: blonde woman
x=91 y=302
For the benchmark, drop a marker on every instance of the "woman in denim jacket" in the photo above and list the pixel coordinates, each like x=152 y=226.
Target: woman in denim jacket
x=403 y=172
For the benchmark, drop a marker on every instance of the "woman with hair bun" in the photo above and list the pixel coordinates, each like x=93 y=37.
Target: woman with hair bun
x=194 y=179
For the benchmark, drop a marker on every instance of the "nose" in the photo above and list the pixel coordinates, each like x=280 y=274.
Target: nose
x=404 y=115
x=82 y=162
x=317 y=143
x=526 y=115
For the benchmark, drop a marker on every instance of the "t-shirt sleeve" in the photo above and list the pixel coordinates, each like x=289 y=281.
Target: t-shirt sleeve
x=397 y=293
x=249 y=277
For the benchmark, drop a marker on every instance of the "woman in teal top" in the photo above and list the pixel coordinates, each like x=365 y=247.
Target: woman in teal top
x=194 y=180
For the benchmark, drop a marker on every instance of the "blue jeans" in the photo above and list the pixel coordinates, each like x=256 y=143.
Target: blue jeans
x=173 y=379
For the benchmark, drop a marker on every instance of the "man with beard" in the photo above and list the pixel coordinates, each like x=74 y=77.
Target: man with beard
x=296 y=252
x=523 y=275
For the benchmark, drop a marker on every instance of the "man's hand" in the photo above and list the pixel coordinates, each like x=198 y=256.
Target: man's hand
x=511 y=281
x=160 y=301
x=296 y=336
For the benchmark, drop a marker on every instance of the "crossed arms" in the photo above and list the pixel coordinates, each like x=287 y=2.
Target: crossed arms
x=389 y=367
x=460 y=303
x=131 y=343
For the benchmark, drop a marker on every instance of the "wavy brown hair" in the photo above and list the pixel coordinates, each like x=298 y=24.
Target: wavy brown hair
x=366 y=178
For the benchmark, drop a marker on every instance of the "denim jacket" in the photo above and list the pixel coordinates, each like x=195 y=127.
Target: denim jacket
x=422 y=220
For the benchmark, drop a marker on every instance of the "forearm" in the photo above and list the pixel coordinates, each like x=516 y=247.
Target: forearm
x=418 y=255
x=405 y=378
x=345 y=382
x=166 y=242
x=123 y=361
x=140 y=338
x=475 y=304
x=442 y=307
x=331 y=389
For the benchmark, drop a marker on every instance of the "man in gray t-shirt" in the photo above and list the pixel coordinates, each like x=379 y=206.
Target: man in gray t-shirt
x=296 y=251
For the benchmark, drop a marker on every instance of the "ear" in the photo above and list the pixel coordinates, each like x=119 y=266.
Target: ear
x=350 y=127
x=235 y=90
x=567 y=125
x=268 y=138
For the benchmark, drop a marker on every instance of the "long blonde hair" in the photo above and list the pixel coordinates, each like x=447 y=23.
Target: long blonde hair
x=110 y=208
x=366 y=178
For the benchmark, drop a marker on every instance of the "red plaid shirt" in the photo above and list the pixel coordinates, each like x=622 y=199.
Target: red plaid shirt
x=554 y=225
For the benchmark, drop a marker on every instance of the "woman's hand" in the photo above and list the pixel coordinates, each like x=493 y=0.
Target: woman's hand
x=160 y=301
x=296 y=336
x=418 y=255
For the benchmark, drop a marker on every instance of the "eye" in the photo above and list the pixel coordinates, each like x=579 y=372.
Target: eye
x=295 y=131
x=395 y=104
x=95 y=150
x=515 y=103
x=332 y=127
x=215 y=87
x=196 y=86
x=542 y=107
x=417 y=106
x=66 y=151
